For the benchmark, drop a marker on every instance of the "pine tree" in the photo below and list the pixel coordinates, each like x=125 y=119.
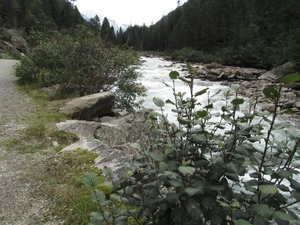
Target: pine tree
x=105 y=29
x=95 y=23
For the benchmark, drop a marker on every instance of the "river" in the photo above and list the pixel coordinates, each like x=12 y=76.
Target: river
x=155 y=74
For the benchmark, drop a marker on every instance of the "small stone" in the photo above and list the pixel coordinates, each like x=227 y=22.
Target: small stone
x=297 y=105
x=55 y=144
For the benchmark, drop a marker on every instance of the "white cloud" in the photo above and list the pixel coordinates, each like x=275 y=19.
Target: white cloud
x=128 y=11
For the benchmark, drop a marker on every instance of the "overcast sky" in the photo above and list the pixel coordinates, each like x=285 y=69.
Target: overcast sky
x=131 y=12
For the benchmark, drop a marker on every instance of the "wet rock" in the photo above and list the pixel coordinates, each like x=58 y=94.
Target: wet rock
x=214 y=65
x=288 y=105
x=297 y=105
x=212 y=77
x=267 y=107
x=269 y=76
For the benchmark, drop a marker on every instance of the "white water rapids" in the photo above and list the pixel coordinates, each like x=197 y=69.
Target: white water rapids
x=155 y=72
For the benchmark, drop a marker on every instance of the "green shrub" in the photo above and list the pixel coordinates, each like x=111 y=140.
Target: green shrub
x=209 y=171
x=82 y=64
x=27 y=71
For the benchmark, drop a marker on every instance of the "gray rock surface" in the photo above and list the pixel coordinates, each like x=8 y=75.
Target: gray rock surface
x=13 y=41
x=111 y=139
x=90 y=106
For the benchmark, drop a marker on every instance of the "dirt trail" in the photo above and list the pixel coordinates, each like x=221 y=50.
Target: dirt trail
x=19 y=204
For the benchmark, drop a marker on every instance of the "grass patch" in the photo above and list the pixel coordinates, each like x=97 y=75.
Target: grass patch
x=11 y=143
x=37 y=131
x=61 y=173
x=64 y=174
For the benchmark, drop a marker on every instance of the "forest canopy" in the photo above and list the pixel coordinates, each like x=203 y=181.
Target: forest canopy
x=243 y=33
x=252 y=33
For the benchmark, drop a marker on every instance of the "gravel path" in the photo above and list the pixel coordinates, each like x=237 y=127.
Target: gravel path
x=19 y=204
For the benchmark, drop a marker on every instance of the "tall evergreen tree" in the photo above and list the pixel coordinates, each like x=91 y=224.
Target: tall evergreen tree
x=105 y=29
x=95 y=23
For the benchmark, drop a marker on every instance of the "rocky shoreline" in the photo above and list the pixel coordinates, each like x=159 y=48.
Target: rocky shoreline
x=252 y=82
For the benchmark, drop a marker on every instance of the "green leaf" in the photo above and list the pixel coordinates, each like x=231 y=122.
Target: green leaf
x=271 y=92
x=283 y=188
x=268 y=189
x=157 y=156
x=176 y=183
x=193 y=209
x=170 y=102
x=290 y=78
x=158 y=102
x=116 y=184
x=202 y=113
x=174 y=75
x=96 y=218
x=295 y=194
x=122 y=220
x=98 y=196
x=172 y=197
x=90 y=180
x=217 y=188
x=185 y=80
x=107 y=171
x=262 y=210
x=237 y=101
x=179 y=215
x=185 y=170
x=201 y=92
x=189 y=67
x=285 y=174
x=232 y=176
x=198 y=138
x=129 y=190
x=136 y=146
x=194 y=191
x=242 y=222
x=295 y=184
x=283 y=216
x=183 y=121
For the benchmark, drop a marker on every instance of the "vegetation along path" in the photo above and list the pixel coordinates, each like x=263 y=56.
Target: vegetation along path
x=21 y=201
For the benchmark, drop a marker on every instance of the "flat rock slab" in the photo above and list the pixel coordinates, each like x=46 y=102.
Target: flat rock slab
x=90 y=106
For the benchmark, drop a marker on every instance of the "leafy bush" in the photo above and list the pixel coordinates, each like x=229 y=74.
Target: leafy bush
x=82 y=64
x=229 y=167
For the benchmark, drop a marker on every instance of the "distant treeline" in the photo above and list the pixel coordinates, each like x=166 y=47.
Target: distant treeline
x=42 y=15
x=49 y=15
x=262 y=33
x=255 y=33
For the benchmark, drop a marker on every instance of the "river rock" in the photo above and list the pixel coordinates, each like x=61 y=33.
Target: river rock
x=212 y=77
x=297 y=105
x=267 y=107
x=269 y=76
x=90 y=106
x=288 y=105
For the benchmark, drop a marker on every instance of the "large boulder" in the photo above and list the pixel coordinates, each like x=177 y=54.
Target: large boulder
x=90 y=106
x=16 y=40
